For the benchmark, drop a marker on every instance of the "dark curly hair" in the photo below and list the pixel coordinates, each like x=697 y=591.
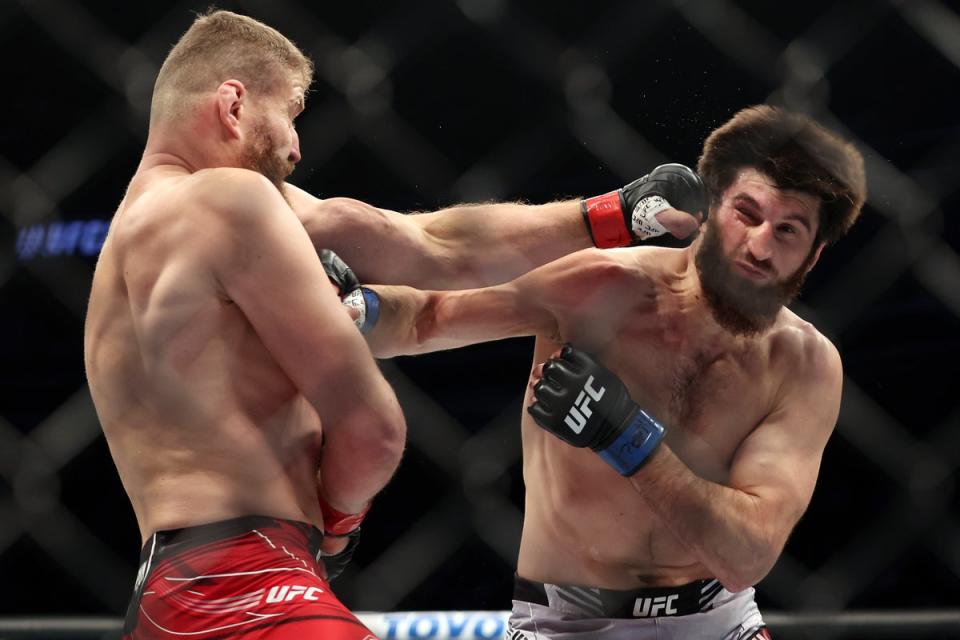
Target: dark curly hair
x=796 y=153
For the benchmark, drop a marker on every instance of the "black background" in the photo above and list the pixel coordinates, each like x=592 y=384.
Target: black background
x=512 y=100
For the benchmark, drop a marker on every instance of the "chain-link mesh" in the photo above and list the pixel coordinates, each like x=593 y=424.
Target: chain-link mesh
x=423 y=104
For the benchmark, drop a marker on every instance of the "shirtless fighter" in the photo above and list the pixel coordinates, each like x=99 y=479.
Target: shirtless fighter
x=221 y=362
x=662 y=484
x=244 y=413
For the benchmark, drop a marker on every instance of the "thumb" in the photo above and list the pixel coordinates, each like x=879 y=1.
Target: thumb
x=353 y=311
x=680 y=224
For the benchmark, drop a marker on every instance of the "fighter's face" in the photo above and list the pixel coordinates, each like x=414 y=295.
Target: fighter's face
x=273 y=147
x=756 y=250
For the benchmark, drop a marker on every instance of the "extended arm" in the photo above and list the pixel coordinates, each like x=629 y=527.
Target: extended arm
x=267 y=266
x=477 y=245
x=456 y=248
x=563 y=298
x=737 y=530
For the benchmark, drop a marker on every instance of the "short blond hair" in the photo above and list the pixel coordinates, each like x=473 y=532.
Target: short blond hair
x=221 y=45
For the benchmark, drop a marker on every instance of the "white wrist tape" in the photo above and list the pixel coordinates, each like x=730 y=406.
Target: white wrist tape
x=644 y=217
x=367 y=302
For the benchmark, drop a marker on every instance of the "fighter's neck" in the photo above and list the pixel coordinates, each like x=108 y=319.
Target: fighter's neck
x=189 y=148
x=163 y=159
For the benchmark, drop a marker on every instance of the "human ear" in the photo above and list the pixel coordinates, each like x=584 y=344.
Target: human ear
x=231 y=97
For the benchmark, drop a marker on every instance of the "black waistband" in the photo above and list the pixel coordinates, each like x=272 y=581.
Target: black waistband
x=593 y=602
x=171 y=541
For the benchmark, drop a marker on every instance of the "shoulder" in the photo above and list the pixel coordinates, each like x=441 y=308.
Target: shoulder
x=623 y=263
x=239 y=217
x=588 y=289
x=803 y=354
x=179 y=210
x=595 y=270
x=236 y=195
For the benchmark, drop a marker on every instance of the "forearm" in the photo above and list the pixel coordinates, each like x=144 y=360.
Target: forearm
x=360 y=455
x=459 y=247
x=726 y=528
x=413 y=321
x=477 y=245
x=405 y=314
x=499 y=242
x=364 y=430
x=487 y=244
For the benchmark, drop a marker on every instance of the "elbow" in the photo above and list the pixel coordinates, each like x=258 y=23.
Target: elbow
x=360 y=455
x=738 y=583
x=362 y=422
x=748 y=552
x=395 y=438
x=736 y=579
x=407 y=325
x=384 y=438
x=421 y=327
x=749 y=570
x=367 y=449
x=425 y=325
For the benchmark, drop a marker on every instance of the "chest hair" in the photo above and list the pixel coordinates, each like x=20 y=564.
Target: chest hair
x=696 y=379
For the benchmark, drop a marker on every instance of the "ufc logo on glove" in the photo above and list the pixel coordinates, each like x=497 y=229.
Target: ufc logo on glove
x=602 y=416
x=580 y=410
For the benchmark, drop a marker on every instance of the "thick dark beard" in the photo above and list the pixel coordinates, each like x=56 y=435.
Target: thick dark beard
x=738 y=305
x=261 y=156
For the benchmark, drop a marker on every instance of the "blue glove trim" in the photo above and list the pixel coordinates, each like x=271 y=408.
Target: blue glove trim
x=372 y=300
x=634 y=445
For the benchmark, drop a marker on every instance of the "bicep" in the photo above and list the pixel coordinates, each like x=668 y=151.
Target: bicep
x=777 y=470
x=381 y=246
x=779 y=462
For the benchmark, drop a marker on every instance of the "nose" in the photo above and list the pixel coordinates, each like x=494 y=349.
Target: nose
x=760 y=241
x=295 y=147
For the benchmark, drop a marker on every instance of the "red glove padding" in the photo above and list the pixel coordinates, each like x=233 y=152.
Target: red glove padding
x=612 y=220
x=605 y=220
x=337 y=523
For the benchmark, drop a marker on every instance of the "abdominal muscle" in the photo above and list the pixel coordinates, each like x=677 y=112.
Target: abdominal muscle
x=586 y=525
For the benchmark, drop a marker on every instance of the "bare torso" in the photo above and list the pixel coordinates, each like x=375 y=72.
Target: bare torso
x=202 y=423
x=585 y=524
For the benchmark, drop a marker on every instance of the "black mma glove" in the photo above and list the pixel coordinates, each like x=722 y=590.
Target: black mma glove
x=339 y=524
x=628 y=215
x=584 y=404
x=364 y=300
x=336 y=563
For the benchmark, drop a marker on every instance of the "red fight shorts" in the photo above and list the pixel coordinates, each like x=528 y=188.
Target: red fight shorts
x=250 y=577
